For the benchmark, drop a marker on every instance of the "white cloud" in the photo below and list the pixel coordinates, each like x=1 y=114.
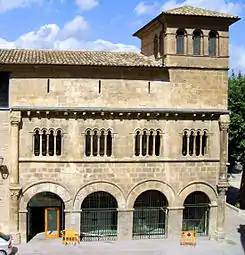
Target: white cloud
x=216 y=5
x=86 y=5
x=71 y=37
x=7 y=5
x=143 y=8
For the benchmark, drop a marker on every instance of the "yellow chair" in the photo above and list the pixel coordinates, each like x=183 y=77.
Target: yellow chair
x=70 y=236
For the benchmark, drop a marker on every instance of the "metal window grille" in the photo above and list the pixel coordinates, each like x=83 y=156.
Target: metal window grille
x=150 y=216
x=196 y=213
x=99 y=217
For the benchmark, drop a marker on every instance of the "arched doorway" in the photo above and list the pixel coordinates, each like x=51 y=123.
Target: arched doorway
x=196 y=213
x=99 y=217
x=45 y=215
x=150 y=215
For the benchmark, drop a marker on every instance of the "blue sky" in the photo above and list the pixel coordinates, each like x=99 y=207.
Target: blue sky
x=100 y=24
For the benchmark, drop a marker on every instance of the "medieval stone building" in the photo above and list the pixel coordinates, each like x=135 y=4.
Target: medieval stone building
x=115 y=145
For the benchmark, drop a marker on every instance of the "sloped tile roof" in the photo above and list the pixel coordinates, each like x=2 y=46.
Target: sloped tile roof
x=83 y=58
x=190 y=10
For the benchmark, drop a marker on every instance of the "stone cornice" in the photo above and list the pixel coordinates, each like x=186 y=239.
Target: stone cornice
x=124 y=113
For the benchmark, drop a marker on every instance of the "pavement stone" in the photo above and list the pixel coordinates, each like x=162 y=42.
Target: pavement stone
x=231 y=245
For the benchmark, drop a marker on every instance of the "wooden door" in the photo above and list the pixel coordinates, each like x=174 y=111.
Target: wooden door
x=52 y=222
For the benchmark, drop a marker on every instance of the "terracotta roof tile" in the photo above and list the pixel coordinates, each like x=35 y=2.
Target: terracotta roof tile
x=190 y=10
x=83 y=58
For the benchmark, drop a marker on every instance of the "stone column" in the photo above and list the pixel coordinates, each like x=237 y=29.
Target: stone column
x=15 y=189
x=72 y=220
x=125 y=224
x=222 y=178
x=174 y=222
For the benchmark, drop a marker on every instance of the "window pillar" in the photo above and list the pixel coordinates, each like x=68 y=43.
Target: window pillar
x=140 y=151
x=154 y=144
x=147 y=144
x=105 y=144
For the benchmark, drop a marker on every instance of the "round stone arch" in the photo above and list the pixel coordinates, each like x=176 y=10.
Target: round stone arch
x=197 y=186
x=92 y=187
x=164 y=188
x=43 y=186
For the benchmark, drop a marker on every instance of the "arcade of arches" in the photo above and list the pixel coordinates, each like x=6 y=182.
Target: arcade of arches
x=101 y=218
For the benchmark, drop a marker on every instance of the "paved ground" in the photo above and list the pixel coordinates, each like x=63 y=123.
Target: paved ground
x=231 y=246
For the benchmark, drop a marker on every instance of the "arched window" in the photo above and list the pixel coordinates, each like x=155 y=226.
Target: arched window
x=157 y=144
x=212 y=43
x=37 y=143
x=184 y=144
x=156 y=46
x=191 y=143
x=204 y=143
x=88 y=144
x=44 y=143
x=144 y=143
x=150 y=215
x=137 y=144
x=51 y=143
x=151 y=143
x=95 y=143
x=198 y=143
x=180 y=41
x=58 y=143
x=109 y=144
x=161 y=44
x=197 y=42
x=102 y=143
x=196 y=213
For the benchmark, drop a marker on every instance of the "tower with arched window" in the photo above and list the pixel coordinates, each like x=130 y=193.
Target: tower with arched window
x=188 y=37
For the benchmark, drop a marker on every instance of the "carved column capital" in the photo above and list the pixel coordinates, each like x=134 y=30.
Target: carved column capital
x=224 y=122
x=15 y=118
x=15 y=193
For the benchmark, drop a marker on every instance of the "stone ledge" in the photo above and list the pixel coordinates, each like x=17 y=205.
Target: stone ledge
x=117 y=160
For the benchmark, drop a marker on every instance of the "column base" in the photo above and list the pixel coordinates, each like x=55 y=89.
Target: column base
x=16 y=238
x=220 y=235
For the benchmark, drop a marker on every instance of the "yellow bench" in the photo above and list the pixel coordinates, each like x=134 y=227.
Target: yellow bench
x=70 y=236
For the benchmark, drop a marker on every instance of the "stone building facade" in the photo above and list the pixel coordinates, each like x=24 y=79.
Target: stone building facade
x=119 y=145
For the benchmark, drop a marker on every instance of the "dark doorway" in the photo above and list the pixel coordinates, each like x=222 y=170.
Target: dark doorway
x=196 y=213
x=150 y=215
x=99 y=217
x=36 y=212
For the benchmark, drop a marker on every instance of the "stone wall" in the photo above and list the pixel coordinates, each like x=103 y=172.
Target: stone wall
x=195 y=88
x=4 y=184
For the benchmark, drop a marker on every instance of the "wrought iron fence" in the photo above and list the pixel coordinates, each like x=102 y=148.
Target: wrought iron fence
x=98 y=224
x=196 y=218
x=150 y=223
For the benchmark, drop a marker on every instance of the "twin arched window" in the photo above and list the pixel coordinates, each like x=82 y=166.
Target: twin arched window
x=47 y=142
x=98 y=143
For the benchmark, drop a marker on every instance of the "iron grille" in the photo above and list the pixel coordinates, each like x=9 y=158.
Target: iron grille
x=149 y=223
x=150 y=216
x=99 y=217
x=196 y=213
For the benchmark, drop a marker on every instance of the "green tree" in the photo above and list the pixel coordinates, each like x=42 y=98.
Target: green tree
x=236 y=105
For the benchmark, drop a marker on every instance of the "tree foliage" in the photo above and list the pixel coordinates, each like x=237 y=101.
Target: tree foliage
x=236 y=105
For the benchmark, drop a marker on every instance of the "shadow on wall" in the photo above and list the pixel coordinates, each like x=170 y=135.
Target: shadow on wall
x=232 y=195
x=241 y=230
